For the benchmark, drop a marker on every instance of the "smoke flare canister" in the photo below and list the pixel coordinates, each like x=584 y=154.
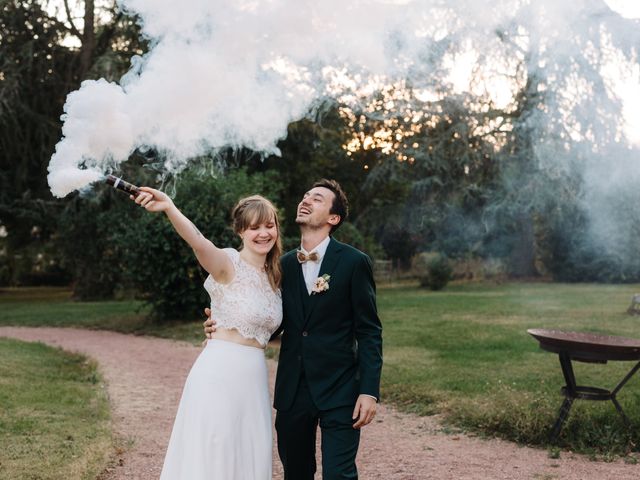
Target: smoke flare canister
x=120 y=184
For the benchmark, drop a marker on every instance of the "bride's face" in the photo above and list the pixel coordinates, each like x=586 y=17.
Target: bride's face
x=261 y=238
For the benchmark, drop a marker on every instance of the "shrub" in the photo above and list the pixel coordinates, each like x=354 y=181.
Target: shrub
x=438 y=273
x=399 y=246
x=84 y=243
x=159 y=263
x=349 y=233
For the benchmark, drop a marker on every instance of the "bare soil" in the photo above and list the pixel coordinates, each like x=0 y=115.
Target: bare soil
x=144 y=378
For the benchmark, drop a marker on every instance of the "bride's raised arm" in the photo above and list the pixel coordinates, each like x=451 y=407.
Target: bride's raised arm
x=212 y=258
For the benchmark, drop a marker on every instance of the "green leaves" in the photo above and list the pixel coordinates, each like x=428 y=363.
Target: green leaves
x=158 y=263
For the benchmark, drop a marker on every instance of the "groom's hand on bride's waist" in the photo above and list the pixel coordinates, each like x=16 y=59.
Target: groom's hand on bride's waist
x=209 y=324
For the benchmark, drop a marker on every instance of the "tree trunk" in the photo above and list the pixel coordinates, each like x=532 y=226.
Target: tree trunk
x=523 y=254
x=88 y=38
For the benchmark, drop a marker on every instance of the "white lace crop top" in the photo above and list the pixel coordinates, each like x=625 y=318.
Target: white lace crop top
x=247 y=304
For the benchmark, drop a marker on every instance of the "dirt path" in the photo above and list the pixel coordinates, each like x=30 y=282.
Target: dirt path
x=145 y=376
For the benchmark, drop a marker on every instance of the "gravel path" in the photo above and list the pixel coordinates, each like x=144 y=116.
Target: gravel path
x=145 y=375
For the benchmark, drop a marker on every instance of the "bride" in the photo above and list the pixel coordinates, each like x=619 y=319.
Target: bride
x=223 y=425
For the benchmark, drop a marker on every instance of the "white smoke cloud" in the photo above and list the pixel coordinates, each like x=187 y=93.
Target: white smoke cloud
x=231 y=74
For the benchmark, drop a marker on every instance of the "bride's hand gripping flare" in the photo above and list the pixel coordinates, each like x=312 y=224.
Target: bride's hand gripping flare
x=153 y=200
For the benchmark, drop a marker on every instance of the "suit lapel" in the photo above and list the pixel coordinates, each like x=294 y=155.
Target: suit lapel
x=329 y=263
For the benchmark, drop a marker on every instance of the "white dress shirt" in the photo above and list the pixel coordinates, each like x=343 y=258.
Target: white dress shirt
x=310 y=269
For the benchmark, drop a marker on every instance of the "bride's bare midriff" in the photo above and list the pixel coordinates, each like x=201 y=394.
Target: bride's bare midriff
x=232 y=335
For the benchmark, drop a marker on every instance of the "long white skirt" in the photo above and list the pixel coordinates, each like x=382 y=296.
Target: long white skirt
x=222 y=429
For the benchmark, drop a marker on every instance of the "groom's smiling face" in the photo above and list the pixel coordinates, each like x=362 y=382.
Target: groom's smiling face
x=314 y=210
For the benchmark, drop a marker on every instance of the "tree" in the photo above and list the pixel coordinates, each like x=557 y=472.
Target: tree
x=37 y=71
x=157 y=262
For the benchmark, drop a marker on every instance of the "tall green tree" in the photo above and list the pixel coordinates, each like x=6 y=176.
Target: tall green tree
x=157 y=262
x=43 y=57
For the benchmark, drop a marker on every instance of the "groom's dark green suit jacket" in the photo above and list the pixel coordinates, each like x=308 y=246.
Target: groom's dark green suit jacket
x=335 y=336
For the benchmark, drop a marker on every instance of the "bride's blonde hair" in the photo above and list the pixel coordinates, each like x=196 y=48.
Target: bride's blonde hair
x=256 y=210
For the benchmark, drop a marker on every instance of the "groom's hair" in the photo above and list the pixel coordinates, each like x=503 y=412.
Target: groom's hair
x=340 y=204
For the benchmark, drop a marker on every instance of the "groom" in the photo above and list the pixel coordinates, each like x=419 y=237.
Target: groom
x=331 y=351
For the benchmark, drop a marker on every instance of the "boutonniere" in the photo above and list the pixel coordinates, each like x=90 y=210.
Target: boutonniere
x=321 y=284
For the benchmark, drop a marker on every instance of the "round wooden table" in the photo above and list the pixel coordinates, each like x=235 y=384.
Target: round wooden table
x=592 y=348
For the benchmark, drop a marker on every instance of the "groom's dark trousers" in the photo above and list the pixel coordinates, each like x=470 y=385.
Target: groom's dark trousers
x=331 y=352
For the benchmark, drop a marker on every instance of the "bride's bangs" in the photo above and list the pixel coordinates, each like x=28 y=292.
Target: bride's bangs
x=258 y=213
x=252 y=212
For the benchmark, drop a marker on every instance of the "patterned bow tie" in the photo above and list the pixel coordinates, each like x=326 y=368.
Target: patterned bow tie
x=302 y=257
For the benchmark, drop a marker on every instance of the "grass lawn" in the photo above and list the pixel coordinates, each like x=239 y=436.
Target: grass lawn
x=54 y=414
x=463 y=352
x=54 y=307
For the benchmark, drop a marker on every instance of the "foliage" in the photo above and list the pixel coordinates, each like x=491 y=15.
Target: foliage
x=430 y=192
x=312 y=151
x=399 y=244
x=37 y=263
x=438 y=272
x=37 y=71
x=84 y=243
x=348 y=233
x=158 y=262
x=576 y=255
x=455 y=174
x=489 y=181
x=85 y=247
x=111 y=247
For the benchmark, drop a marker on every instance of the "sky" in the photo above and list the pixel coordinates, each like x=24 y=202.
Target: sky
x=626 y=8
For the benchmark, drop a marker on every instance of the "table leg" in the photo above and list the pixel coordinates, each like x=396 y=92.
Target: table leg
x=572 y=391
x=615 y=391
x=626 y=379
x=562 y=416
x=569 y=392
x=619 y=408
x=567 y=372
